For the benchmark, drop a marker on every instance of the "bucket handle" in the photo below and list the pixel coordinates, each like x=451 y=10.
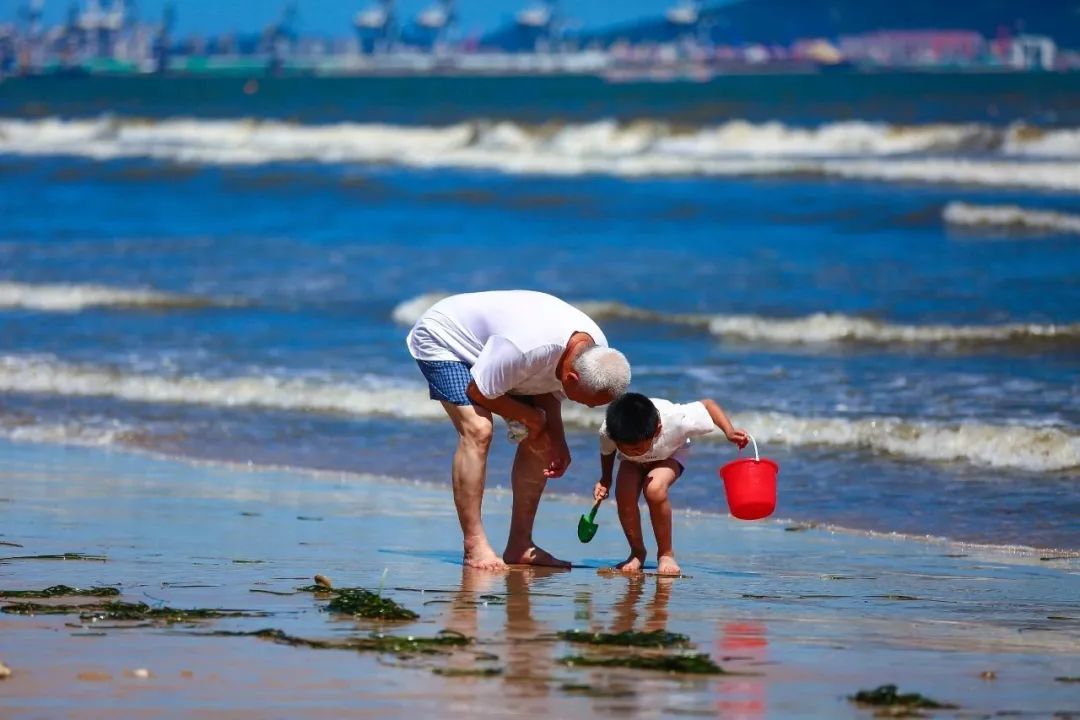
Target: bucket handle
x=757 y=458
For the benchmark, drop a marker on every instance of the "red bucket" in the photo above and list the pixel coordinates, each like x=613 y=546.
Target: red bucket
x=750 y=486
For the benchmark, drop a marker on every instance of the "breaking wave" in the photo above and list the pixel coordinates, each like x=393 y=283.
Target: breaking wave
x=1028 y=448
x=72 y=298
x=68 y=433
x=1011 y=217
x=1017 y=155
x=818 y=328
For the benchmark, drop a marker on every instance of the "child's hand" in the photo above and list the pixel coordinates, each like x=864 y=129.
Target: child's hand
x=739 y=437
x=600 y=491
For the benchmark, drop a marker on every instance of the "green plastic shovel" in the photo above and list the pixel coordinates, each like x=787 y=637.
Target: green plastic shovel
x=586 y=528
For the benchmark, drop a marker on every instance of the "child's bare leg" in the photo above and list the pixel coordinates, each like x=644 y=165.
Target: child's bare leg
x=658 y=480
x=627 y=492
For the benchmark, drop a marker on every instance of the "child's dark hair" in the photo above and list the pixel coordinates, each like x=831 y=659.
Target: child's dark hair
x=632 y=418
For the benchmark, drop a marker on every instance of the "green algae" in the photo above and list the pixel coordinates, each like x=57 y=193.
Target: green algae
x=359 y=602
x=465 y=672
x=699 y=664
x=629 y=638
x=373 y=643
x=59 y=556
x=366 y=604
x=317 y=589
x=895 y=597
x=1067 y=679
x=125 y=611
x=887 y=696
x=61 y=591
x=591 y=691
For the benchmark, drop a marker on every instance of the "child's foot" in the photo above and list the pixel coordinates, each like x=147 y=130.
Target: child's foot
x=533 y=556
x=666 y=565
x=632 y=565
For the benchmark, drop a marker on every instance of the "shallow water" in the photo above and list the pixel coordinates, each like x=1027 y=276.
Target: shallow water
x=203 y=283
x=802 y=618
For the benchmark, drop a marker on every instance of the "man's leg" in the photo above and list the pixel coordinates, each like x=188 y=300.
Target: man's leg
x=658 y=481
x=528 y=481
x=474 y=428
x=627 y=493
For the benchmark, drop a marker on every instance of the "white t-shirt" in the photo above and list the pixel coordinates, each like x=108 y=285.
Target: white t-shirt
x=678 y=423
x=511 y=339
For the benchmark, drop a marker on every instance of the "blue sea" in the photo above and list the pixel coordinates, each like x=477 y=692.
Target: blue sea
x=877 y=275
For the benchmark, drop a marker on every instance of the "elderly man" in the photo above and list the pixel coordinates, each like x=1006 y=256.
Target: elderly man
x=513 y=353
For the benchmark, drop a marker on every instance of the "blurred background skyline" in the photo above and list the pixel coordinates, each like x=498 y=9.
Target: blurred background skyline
x=335 y=17
x=685 y=39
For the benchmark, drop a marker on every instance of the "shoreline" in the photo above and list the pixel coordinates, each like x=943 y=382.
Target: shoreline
x=1039 y=554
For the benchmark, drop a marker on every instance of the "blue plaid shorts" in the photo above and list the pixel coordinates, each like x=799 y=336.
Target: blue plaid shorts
x=447 y=380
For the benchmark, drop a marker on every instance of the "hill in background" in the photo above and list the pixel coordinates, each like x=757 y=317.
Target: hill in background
x=783 y=21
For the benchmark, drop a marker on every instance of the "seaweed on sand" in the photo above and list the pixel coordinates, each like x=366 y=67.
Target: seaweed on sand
x=700 y=664
x=614 y=691
x=362 y=603
x=373 y=643
x=466 y=672
x=61 y=591
x=125 y=611
x=887 y=696
x=629 y=638
x=60 y=556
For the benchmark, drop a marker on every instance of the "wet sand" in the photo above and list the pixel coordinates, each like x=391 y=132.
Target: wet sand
x=799 y=618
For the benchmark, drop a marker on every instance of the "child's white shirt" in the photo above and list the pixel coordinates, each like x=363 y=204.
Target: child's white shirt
x=678 y=423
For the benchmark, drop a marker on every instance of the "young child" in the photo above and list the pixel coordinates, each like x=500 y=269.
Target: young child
x=653 y=439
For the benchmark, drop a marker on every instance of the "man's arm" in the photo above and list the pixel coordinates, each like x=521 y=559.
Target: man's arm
x=551 y=404
x=511 y=409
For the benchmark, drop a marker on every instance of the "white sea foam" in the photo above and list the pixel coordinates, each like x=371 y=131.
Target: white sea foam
x=1010 y=217
x=72 y=298
x=969 y=154
x=834 y=328
x=35 y=375
x=818 y=328
x=94 y=434
x=1045 y=449
x=409 y=311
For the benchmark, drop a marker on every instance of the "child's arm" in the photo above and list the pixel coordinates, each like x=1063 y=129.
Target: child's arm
x=603 y=486
x=720 y=419
x=607 y=463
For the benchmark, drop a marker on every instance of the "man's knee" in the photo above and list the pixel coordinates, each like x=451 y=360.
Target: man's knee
x=477 y=431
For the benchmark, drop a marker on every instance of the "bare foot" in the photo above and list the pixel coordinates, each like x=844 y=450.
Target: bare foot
x=632 y=565
x=666 y=565
x=482 y=557
x=533 y=556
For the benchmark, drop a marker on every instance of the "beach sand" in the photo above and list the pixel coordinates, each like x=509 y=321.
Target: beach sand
x=799 y=618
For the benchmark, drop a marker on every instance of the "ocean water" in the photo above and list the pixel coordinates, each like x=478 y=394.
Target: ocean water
x=878 y=276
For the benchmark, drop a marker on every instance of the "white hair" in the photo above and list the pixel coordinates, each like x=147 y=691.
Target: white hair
x=603 y=369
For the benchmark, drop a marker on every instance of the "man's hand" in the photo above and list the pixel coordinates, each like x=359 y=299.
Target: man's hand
x=559 y=460
x=600 y=490
x=555 y=454
x=739 y=437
